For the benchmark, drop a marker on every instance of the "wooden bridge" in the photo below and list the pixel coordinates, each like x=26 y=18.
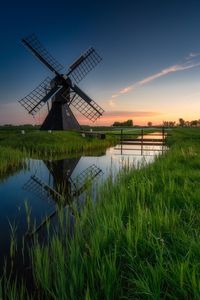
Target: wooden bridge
x=142 y=138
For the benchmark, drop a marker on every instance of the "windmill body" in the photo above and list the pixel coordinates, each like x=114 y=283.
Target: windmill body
x=62 y=90
x=60 y=116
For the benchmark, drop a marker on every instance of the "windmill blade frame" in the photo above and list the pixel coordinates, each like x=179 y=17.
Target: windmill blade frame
x=35 y=46
x=36 y=99
x=84 y=64
x=85 y=105
x=80 y=183
x=39 y=189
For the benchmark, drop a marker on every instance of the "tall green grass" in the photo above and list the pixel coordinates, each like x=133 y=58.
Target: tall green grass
x=140 y=240
x=10 y=161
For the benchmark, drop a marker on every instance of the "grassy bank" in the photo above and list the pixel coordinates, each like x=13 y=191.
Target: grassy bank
x=139 y=241
x=34 y=143
x=57 y=142
x=42 y=144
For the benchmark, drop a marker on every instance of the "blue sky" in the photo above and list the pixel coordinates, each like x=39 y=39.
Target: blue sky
x=150 y=49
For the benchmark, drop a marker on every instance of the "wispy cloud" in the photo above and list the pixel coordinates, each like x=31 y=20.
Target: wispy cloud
x=172 y=69
x=192 y=55
x=189 y=62
x=126 y=89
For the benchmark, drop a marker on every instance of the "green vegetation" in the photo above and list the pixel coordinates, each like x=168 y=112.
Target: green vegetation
x=10 y=160
x=140 y=240
x=45 y=143
x=35 y=143
x=14 y=145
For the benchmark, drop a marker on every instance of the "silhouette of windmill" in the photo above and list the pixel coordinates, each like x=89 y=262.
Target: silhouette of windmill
x=64 y=189
x=62 y=89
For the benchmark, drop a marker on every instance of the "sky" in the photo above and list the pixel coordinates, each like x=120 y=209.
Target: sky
x=150 y=70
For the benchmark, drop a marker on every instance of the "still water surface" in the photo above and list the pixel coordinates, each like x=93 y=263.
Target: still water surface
x=40 y=182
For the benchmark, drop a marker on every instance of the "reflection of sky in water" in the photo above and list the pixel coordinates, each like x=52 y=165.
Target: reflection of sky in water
x=13 y=193
x=113 y=160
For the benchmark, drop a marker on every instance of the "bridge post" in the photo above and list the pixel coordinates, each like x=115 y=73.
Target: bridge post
x=121 y=139
x=163 y=134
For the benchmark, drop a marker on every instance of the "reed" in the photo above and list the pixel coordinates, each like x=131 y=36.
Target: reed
x=10 y=161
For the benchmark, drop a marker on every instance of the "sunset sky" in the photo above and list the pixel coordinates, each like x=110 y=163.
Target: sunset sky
x=151 y=56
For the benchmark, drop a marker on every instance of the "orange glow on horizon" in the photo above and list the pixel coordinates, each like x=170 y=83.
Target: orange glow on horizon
x=109 y=120
x=13 y=114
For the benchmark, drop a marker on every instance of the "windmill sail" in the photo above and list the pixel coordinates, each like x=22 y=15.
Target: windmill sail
x=42 y=54
x=41 y=190
x=83 y=65
x=80 y=183
x=85 y=105
x=34 y=101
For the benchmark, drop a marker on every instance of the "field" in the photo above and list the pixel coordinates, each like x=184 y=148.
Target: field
x=139 y=241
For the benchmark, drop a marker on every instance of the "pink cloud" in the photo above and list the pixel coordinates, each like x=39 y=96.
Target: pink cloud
x=126 y=89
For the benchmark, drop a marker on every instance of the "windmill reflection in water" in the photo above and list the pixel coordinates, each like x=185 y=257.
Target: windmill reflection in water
x=63 y=191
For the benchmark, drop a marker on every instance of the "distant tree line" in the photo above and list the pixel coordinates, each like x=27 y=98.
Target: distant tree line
x=127 y=123
x=182 y=123
x=193 y=123
x=169 y=124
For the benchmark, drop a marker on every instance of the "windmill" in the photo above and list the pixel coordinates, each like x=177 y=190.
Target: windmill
x=62 y=89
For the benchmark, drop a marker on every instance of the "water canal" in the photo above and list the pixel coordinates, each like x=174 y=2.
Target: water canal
x=39 y=185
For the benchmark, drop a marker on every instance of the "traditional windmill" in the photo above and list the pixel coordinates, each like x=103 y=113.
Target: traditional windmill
x=62 y=89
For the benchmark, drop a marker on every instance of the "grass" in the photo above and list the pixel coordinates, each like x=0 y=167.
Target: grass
x=57 y=142
x=14 y=146
x=10 y=161
x=41 y=144
x=140 y=240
